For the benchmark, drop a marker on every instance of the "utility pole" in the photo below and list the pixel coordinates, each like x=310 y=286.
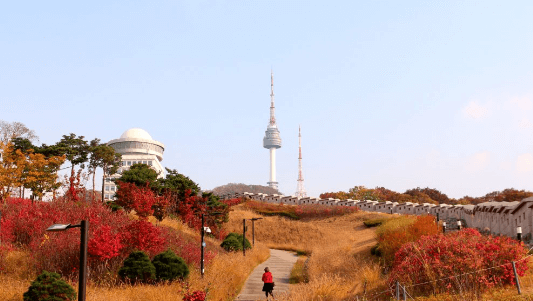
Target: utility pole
x=243 y=237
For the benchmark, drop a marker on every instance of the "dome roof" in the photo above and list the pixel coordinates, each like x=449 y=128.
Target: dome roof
x=136 y=133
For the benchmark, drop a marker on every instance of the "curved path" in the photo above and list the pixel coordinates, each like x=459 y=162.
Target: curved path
x=280 y=264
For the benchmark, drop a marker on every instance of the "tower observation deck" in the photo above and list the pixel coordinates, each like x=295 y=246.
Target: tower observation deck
x=272 y=140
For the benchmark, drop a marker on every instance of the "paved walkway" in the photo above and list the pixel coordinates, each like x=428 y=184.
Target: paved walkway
x=280 y=264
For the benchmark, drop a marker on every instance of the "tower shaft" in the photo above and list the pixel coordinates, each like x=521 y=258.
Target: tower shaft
x=272 y=183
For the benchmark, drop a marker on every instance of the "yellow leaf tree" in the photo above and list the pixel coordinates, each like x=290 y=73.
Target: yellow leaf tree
x=41 y=173
x=12 y=167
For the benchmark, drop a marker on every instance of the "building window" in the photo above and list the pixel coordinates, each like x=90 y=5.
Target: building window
x=106 y=188
x=112 y=188
x=144 y=162
x=129 y=163
x=106 y=196
x=150 y=163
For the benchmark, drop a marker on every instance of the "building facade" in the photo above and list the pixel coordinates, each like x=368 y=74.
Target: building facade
x=136 y=147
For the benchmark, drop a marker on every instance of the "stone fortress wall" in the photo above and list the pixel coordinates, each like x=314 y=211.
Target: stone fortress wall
x=496 y=218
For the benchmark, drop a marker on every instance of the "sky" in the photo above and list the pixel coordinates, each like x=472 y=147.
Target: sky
x=399 y=94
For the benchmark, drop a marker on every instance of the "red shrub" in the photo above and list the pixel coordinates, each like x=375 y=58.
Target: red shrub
x=465 y=253
x=144 y=236
x=195 y=296
x=105 y=244
x=232 y=202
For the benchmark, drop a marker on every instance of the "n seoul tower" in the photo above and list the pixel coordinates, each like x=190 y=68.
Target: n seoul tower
x=272 y=141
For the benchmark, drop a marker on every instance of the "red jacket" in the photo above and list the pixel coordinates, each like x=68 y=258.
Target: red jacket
x=267 y=277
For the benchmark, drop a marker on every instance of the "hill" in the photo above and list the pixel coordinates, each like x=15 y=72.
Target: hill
x=232 y=188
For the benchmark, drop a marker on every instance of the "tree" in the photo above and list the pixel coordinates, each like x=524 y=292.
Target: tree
x=105 y=157
x=9 y=131
x=140 y=174
x=174 y=181
x=12 y=169
x=76 y=151
x=432 y=193
x=24 y=145
x=178 y=188
x=141 y=199
x=41 y=173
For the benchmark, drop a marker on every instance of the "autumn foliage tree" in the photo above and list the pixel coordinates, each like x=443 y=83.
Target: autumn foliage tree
x=142 y=200
x=12 y=169
x=41 y=173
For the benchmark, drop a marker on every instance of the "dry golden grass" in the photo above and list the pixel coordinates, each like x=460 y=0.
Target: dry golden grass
x=224 y=276
x=340 y=260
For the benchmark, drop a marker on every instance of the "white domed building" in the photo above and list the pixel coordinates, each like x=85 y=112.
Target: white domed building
x=136 y=146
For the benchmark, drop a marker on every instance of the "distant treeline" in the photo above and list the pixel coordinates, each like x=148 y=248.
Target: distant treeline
x=425 y=195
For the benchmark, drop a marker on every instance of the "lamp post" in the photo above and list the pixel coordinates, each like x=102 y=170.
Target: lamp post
x=202 y=247
x=519 y=233
x=443 y=227
x=253 y=228
x=84 y=225
x=243 y=237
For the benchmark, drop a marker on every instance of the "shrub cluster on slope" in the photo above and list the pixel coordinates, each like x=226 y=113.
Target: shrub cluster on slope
x=394 y=233
x=466 y=253
x=112 y=236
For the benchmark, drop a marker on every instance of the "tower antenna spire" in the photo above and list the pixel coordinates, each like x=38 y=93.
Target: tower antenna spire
x=300 y=189
x=272 y=109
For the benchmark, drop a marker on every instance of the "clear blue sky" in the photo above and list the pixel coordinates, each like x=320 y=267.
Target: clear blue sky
x=397 y=94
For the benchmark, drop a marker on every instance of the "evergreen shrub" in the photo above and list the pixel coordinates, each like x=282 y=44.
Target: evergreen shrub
x=49 y=287
x=137 y=268
x=374 y=222
x=168 y=266
x=113 y=206
x=233 y=242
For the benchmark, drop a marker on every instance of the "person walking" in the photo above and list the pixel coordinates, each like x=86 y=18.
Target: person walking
x=268 y=285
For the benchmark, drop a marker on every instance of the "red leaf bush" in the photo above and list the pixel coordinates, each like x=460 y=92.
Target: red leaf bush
x=195 y=296
x=437 y=258
x=142 y=200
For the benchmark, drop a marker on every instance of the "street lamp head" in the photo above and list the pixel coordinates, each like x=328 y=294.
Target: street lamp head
x=207 y=230
x=256 y=218
x=58 y=227
x=213 y=213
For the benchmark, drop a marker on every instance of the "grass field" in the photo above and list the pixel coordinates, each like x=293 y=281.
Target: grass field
x=340 y=262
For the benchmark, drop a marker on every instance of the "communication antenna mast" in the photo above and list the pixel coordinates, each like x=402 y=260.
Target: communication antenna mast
x=300 y=190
